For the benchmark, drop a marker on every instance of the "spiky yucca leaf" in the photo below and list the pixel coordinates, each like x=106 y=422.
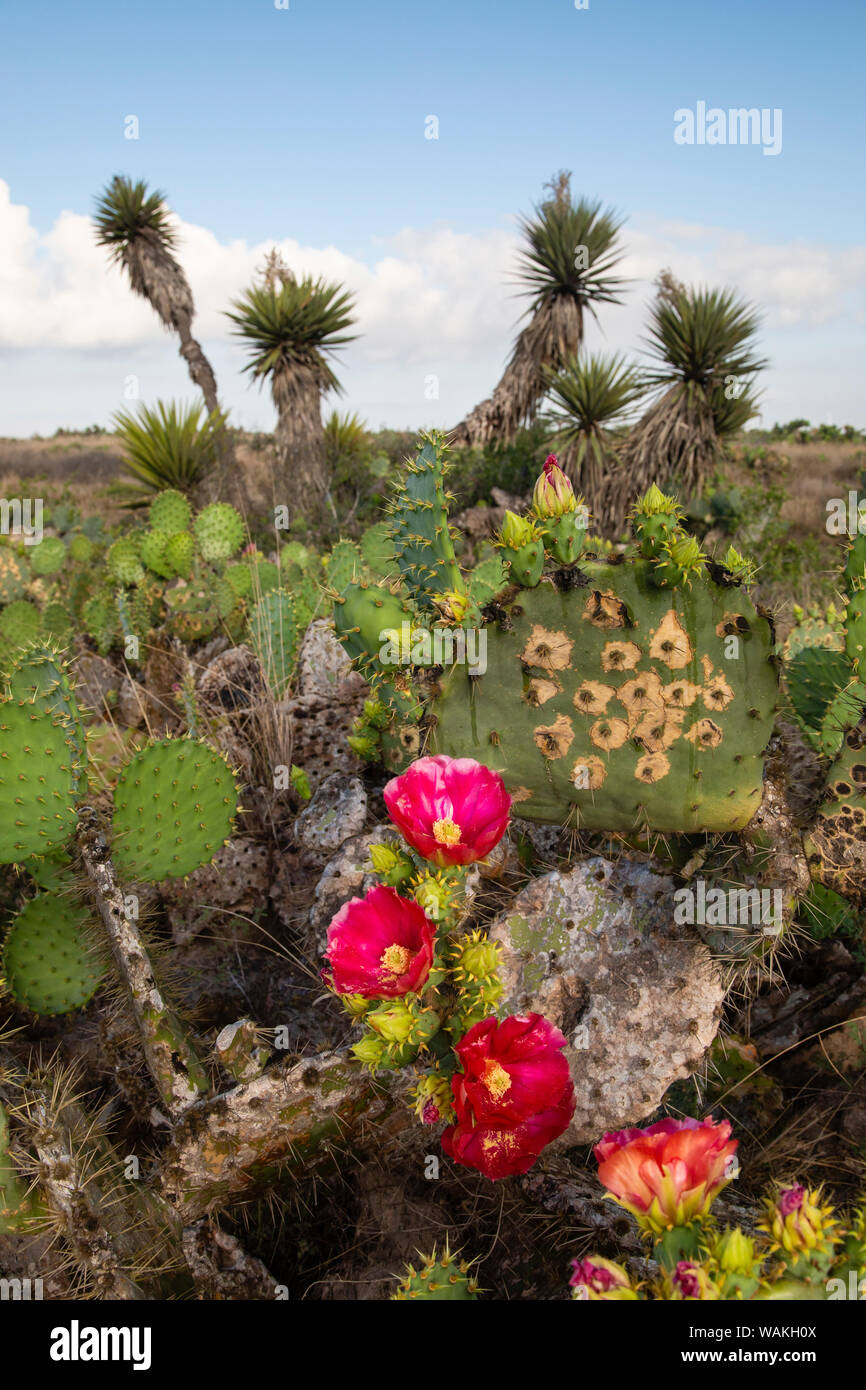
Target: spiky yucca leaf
x=169 y=446
x=291 y=326
x=591 y=399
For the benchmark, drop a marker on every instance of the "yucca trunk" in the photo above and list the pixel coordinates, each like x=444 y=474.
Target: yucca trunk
x=554 y=333
x=300 y=437
x=675 y=445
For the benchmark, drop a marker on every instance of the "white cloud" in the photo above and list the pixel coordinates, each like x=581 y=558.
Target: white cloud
x=431 y=301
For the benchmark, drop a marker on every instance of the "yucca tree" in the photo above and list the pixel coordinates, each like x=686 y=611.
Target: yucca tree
x=134 y=225
x=701 y=343
x=570 y=249
x=290 y=328
x=170 y=445
x=591 y=400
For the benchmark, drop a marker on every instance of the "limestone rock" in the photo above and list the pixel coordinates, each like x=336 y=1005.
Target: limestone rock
x=597 y=952
x=337 y=811
x=323 y=665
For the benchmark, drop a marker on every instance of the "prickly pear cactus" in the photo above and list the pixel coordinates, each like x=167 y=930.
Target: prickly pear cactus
x=170 y=512
x=274 y=636
x=174 y=806
x=615 y=704
x=50 y=961
x=613 y=696
x=444 y=1277
x=39 y=778
x=219 y=531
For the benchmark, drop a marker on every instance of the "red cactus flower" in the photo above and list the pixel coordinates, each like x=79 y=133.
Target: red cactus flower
x=511 y=1070
x=380 y=946
x=451 y=810
x=668 y=1174
x=499 y=1150
x=513 y=1097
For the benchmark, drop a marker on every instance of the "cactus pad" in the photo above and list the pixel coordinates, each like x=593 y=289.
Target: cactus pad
x=14 y=575
x=170 y=512
x=174 y=807
x=38 y=781
x=219 y=531
x=614 y=703
x=48 y=556
x=20 y=623
x=444 y=1277
x=50 y=963
x=123 y=562
x=274 y=636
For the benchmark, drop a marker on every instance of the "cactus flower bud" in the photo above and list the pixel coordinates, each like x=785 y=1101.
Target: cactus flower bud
x=384 y=859
x=432 y=1098
x=691 y=1281
x=476 y=958
x=797 y=1222
x=370 y=1050
x=595 y=1279
x=735 y=1252
x=516 y=531
x=434 y=896
x=452 y=605
x=553 y=494
x=393 y=1022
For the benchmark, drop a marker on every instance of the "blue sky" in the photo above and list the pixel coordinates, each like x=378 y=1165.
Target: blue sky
x=308 y=124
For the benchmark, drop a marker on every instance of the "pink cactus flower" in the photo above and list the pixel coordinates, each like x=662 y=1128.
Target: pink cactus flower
x=667 y=1175
x=501 y=1150
x=380 y=946
x=511 y=1070
x=513 y=1097
x=451 y=810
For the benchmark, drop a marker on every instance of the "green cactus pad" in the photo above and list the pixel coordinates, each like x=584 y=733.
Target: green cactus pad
x=48 y=556
x=170 y=512
x=20 y=623
x=836 y=843
x=614 y=704
x=50 y=961
x=274 y=638
x=153 y=548
x=420 y=534
x=99 y=617
x=41 y=676
x=815 y=676
x=38 y=782
x=180 y=553
x=240 y=578
x=445 y=1277
x=174 y=807
x=123 y=562
x=81 y=549
x=219 y=531
x=377 y=550
x=343 y=566
x=361 y=616
x=14 y=575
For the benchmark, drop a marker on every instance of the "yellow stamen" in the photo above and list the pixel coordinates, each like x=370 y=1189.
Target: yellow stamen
x=496 y=1080
x=446 y=832
x=395 y=961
